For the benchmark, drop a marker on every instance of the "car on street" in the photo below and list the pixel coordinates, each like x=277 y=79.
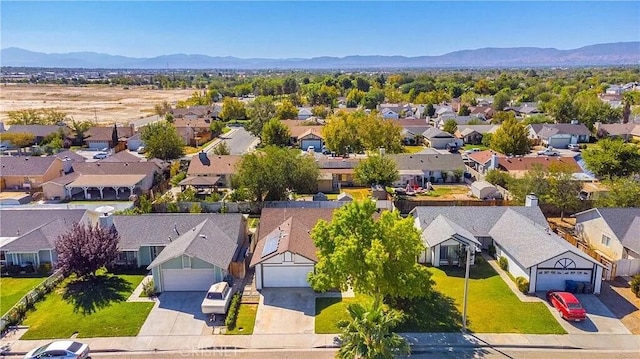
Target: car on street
x=3 y=148
x=141 y=150
x=568 y=305
x=100 y=155
x=62 y=349
x=548 y=152
x=468 y=152
x=574 y=147
x=217 y=299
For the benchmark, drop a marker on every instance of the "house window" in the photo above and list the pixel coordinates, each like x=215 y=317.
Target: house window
x=288 y=257
x=606 y=240
x=186 y=262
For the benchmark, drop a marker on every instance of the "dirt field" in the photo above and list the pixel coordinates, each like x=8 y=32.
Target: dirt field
x=99 y=103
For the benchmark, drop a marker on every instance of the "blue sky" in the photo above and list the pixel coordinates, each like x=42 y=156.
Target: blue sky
x=310 y=29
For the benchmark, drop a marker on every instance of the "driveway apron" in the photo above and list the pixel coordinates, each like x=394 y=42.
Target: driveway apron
x=286 y=311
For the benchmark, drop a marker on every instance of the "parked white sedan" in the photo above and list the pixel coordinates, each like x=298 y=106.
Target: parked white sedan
x=217 y=299
x=63 y=349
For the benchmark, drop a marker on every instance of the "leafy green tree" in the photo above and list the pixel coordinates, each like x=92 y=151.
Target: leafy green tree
x=430 y=110
x=275 y=133
x=475 y=121
x=355 y=97
x=233 y=109
x=464 y=110
x=450 y=126
x=372 y=99
x=612 y=158
x=286 y=110
x=534 y=181
x=502 y=116
x=376 y=170
x=368 y=333
x=563 y=189
x=114 y=136
x=260 y=110
x=36 y=117
x=486 y=139
x=373 y=256
x=562 y=109
x=538 y=118
x=510 y=138
x=357 y=131
x=216 y=128
x=187 y=195
x=290 y=86
x=501 y=100
x=269 y=174
x=162 y=141
x=498 y=178
x=80 y=128
x=221 y=149
x=161 y=109
x=377 y=133
x=469 y=98
x=341 y=132
x=623 y=192
x=320 y=111
x=18 y=139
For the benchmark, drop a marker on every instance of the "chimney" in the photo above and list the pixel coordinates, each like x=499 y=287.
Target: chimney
x=106 y=220
x=494 y=161
x=574 y=122
x=531 y=200
x=66 y=165
x=382 y=151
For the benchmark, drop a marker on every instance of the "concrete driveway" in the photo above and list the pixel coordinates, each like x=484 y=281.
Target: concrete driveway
x=600 y=320
x=617 y=296
x=286 y=311
x=177 y=313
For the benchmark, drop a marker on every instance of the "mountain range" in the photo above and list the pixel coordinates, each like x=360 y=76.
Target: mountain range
x=619 y=53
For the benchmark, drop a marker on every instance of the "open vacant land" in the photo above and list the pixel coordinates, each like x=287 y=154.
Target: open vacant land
x=101 y=103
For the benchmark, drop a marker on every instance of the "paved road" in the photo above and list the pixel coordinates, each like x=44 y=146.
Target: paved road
x=239 y=140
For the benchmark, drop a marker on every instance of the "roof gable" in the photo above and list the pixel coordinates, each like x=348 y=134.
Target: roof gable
x=443 y=229
x=428 y=162
x=26 y=165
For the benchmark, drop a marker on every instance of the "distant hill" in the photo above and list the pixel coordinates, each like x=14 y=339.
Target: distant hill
x=620 y=53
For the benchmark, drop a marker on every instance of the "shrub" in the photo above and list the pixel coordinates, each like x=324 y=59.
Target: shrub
x=635 y=285
x=44 y=268
x=232 y=315
x=492 y=251
x=195 y=208
x=523 y=284
x=503 y=263
x=213 y=197
x=172 y=207
x=149 y=288
x=177 y=178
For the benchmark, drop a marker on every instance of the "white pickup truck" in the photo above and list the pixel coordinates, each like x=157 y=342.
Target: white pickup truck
x=217 y=299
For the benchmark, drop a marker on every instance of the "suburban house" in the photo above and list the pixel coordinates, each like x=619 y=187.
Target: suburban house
x=418 y=169
x=40 y=132
x=395 y=111
x=526 y=109
x=112 y=180
x=200 y=126
x=27 y=172
x=71 y=156
x=27 y=236
x=483 y=161
x=389 y=114
x=520 y=234
x=625 y=131
x=212 y=170
x=436 y=138
x=485 y=111
x=134 y=142
x=559 y=135
x=612 y=232
x=412 y=130
x=460 y=120
x=122 y=156
x=304 y=113
x=98 y=138
x=472 y=134
x=335 y=173
x=195 y=112
x=443 y=112
x=285 y=254
x=304 y=135
x=613 y=100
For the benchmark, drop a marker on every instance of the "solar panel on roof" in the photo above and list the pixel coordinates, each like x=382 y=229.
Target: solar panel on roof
x=271 y=243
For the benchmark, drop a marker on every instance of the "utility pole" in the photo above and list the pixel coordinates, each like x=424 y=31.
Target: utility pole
x=466 y=289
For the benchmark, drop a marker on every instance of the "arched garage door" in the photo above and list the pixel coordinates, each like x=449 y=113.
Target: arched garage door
x=551 y=278
x=285 y=276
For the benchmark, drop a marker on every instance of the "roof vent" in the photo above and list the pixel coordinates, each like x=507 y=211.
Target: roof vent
x=203 y=236
x=169 y=238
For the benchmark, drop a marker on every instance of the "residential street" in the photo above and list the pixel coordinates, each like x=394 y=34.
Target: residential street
x=239 y=141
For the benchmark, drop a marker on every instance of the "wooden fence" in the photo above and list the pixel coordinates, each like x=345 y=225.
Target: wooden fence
x=405 y=206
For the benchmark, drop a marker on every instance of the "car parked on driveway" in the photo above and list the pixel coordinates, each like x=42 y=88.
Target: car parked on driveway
x=549 y=152
x=468 y=152
x=100 y=155
x=63 y=349
x=574 y=147
x=568 y=305
x=217 y=299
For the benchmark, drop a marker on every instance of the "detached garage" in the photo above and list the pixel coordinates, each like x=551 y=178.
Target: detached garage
x=544 y=259
x=195 y=260
x=285 y=254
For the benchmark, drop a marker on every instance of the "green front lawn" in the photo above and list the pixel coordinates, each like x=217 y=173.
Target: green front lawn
x=413 y=149
x=469 y=147
x=246 y=320
x=331 y=310
x=492 y=306
x=12 y=289
x=91 y=309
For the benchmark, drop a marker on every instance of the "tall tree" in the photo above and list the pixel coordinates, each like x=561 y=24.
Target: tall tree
x=501 y=100
x=622 y=192
x=270 y=173
x=80 y=128
x=376 y=170
x=450 y=126
x=563 y=189
x=162 y=141
x=373 y=256
x=114 y=136
x=534 y=181
x=232 y=109
x=612 y=158
x=510 y=138
x=464 y=110
x=341 y=133
x=84 y=249
x=275 y=133
x=367 y=334
x=562 y=109
x=286 y=110
x=18 y=139
x=259 y=111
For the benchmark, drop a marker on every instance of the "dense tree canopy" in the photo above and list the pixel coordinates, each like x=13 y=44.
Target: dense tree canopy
x=622 y=192
x=511 y=138
x=612 y=158
x=373 y=256
x=84 y=249
x=286 y=110
x=275 y=133
x=233 y=109
x=376 y=170
x=357 y=131
x=259 y=111
x=162 y=141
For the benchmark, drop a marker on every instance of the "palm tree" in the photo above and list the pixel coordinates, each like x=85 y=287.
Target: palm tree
x=367 y=335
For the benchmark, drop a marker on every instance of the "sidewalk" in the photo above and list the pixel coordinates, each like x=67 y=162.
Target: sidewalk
x=419 y=341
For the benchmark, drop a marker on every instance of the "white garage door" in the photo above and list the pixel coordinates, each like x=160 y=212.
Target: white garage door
x=317 y=145
x=183 y=280
x=285 y=276
x=554 y=278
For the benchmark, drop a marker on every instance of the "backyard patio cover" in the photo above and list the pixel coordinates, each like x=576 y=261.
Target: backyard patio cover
x=200 y=181
x=106 y=181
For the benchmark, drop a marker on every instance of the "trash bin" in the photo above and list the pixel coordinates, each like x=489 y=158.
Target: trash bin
x=580 y=288
x=570 y=286
x=588 y=288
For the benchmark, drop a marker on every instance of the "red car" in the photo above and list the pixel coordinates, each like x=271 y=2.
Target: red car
x=568 y=305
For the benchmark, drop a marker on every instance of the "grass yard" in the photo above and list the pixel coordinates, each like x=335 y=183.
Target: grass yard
x=492 y=306
x=445 y=190
x=413 y=149
x=12 y=289
x=246 y=320
x=358 y=194
x=330 y=310
x=469 y=146
x=91 y=309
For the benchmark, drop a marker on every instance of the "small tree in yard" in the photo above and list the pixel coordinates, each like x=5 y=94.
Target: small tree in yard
x=376 y=170
x=84 y=249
